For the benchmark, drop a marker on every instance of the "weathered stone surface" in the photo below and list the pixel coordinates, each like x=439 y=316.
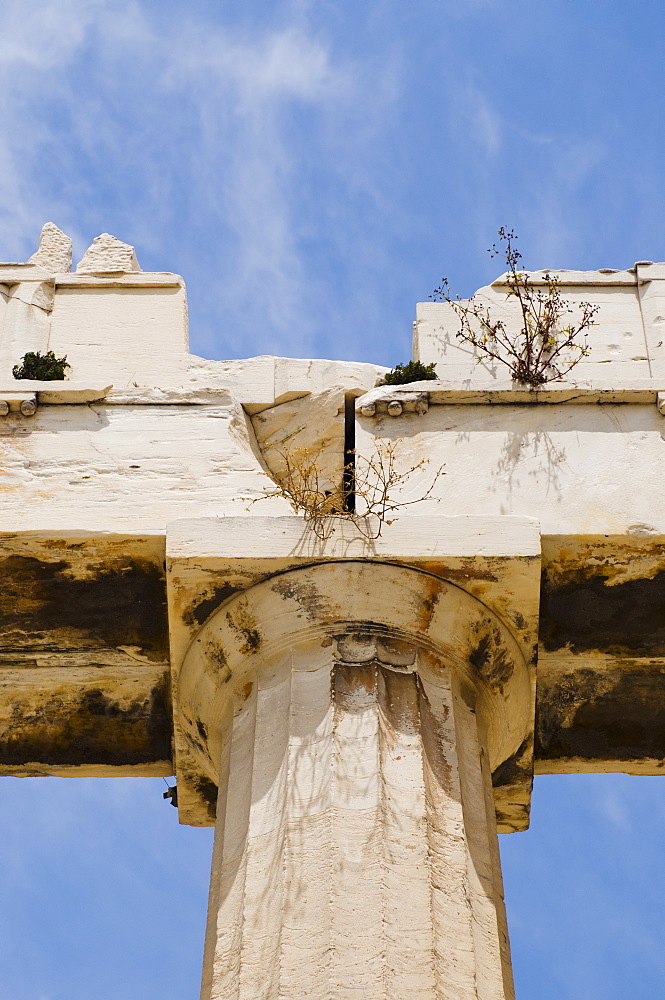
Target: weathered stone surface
x=359 y=804
x=578 y=469
x=86 y=468
x=55 y=250
x=210 y=561
x=83 y=594
x=100 y=467
x=107 y=253
x=308 y=672
x=601 y=693
x=600 y=715
x=56 y=392
x=304 y=430
x=621 y=336
x=363 y=795
x=74 y=720
x=25 y=318
x=84 y=678
x=417 y=397
x=129 y=335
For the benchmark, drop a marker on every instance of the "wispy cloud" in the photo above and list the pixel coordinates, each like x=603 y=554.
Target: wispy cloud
x=112 y=113
x=478 y=119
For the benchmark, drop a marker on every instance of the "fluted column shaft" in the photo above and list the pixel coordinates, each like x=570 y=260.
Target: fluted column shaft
x=355 y=851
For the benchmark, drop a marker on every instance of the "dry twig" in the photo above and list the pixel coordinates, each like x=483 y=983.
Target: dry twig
x=368 y=503
x=546 y=349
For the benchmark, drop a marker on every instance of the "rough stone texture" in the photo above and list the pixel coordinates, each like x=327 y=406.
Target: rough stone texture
x=55 y=250
x=315 y=902
x=337 y=803
x=119 y=334
x=602 y=656
x=25 y=317
x=623 y=335
x=208 y=562
x=578 y=469
x=75 y=720
x=132 y=469
x=84 y=674
x=107 y=254
x=305 y=429
x=539 y=561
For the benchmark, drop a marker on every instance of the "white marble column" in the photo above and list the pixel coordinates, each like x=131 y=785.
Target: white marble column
x=355 y=852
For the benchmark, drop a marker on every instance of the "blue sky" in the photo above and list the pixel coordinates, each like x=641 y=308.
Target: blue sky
x=313 y=168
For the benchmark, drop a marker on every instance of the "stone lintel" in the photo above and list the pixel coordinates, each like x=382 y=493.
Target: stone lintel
x=607 y=276
x=601 y=665
x=601 y=669
x=170 y=396
x=600 y=714
x=13 y=274
x=641 y=272
x=65 y=719
x=84 y=672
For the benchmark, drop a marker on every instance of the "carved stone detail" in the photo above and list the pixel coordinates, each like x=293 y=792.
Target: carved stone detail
x=352 y=745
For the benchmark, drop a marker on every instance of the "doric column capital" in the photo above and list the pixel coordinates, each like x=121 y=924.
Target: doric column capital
x=361 y=609
x=464 y=588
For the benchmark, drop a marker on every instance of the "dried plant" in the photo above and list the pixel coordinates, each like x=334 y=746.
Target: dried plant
x=367 y=502
x=546 y=348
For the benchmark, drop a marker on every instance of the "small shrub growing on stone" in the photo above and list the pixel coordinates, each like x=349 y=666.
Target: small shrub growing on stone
x=413 y=371
x=41 y=367
x=552 y=337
